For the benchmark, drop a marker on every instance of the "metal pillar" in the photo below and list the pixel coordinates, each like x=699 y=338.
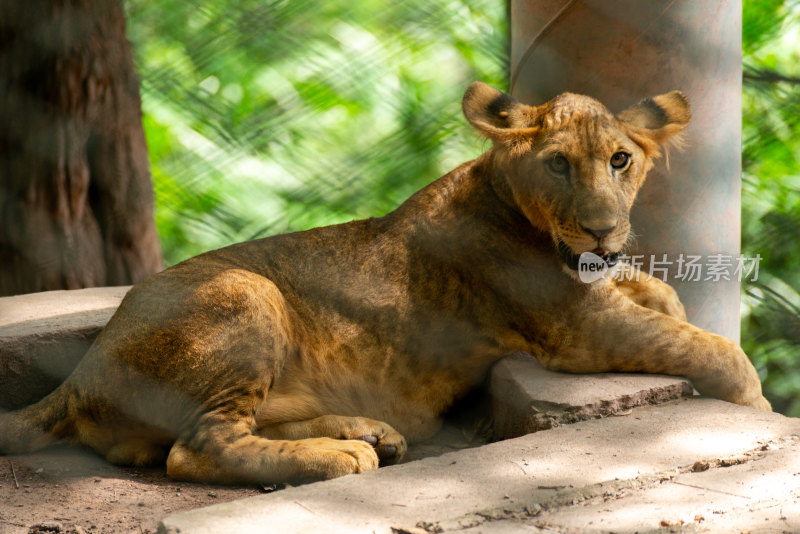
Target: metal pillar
x=623 y=50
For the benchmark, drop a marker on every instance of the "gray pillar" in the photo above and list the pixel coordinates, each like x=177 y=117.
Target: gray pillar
x=623 y=50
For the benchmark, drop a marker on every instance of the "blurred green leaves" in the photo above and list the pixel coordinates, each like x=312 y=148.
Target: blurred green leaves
x=771 y=195
x=272 y=116
x=761 y=21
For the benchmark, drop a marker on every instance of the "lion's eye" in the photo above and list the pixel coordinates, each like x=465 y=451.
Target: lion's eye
x=559 y=164
x=620 y=160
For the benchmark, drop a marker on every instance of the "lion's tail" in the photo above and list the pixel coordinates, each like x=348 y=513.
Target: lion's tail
x=35 y=426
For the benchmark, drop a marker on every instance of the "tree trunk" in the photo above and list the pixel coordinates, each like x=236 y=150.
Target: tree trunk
x=76 y=199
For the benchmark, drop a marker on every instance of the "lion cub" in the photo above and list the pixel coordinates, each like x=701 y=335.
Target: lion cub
x=317 y=354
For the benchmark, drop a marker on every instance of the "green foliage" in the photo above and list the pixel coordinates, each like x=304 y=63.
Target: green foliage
x=270 y=116
x=278 y=115
x=771 y=195
x=761 y=20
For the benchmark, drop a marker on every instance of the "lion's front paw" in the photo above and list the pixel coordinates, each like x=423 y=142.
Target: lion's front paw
x=327 y=458
x=389 y=444
x=761 y=404
x=752 y=400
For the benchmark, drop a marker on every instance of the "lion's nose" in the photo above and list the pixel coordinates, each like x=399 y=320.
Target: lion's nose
x=598 y=233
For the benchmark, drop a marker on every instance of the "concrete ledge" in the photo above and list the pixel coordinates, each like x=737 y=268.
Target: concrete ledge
x=522 y=479
x=44 y=335
x=527 y=398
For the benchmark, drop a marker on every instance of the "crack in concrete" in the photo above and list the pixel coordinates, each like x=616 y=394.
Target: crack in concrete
x=711 y=489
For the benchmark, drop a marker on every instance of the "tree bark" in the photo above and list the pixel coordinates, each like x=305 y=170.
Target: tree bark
x=76 y=199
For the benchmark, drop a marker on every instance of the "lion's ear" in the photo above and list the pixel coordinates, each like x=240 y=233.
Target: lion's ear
x=499 y=117
x=661 y=117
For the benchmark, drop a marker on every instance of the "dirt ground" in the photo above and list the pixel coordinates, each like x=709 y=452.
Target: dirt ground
x=63 y=489
x=69 y=490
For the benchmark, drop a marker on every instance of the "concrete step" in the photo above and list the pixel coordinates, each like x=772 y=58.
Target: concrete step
x=44 y=335
x=539 y=475
x=526 y=397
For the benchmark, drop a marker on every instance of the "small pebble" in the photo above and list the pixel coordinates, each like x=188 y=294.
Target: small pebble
x=700 y=465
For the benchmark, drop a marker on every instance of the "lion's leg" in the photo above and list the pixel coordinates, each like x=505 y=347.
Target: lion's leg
x=136 y=452
x=225 y=451
x=614 y=334
x=653 y=293
x=388 y=443
x=236 y=360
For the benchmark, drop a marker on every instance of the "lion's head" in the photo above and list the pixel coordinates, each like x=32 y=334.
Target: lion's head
x=573 y=167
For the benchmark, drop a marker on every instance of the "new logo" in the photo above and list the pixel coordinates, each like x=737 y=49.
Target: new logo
x=591 y=267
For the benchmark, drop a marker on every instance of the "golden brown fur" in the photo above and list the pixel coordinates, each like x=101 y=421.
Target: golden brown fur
x=312 y=355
